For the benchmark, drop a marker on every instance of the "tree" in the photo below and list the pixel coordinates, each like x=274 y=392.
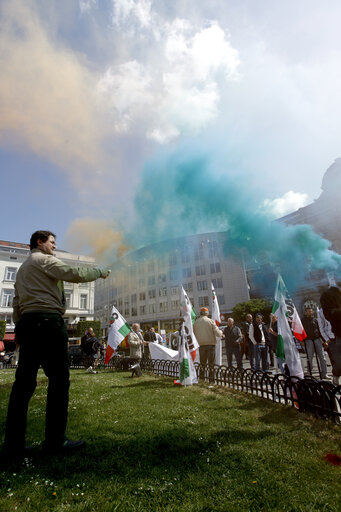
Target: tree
x=2 y=329
x=84 y=325
x=253 y=306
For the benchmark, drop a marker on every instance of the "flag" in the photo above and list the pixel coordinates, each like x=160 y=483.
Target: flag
x=187 y=373
x=285 y=311
x=188 y=314
x=216 y=318
x=118 y=330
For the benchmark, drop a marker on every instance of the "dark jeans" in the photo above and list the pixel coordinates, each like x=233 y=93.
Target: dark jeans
x=233 y=350
x=207 y=356
x=43 y=340
x=261 y=353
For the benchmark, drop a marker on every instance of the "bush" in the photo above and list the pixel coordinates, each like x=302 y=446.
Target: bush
x=253 y=306
x=2 y=329
x=84 y=325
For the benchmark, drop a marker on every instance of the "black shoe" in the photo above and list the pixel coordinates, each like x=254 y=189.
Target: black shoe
x=11 y=457
x=68 y=446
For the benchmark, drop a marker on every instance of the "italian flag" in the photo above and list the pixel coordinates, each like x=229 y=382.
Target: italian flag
x=216 y=318
x=188 y=314
x=118 y=330
x=286 y=314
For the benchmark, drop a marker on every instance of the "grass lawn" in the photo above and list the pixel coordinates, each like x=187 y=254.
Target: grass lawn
x=155 y=446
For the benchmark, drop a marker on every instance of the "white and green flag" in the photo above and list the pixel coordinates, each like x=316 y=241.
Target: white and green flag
x=187 y=373
x=118 y=330
x=188 y=314
x=289 y=327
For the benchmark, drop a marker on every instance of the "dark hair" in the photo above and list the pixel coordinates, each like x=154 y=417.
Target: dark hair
x=40 y=235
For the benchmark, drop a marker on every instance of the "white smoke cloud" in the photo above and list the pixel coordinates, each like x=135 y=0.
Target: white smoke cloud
x=289 y=202
x=173 y=88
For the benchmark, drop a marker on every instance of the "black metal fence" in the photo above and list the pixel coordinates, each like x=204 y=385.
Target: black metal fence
x=320 y=398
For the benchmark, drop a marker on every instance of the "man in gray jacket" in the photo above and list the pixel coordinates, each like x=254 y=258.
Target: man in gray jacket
x=39 y=304
x=206 y=332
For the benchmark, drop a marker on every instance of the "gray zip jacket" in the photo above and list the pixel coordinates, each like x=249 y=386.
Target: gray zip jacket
x=39 y=283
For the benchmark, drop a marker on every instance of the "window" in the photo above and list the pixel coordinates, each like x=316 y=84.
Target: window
x=175 y=305
x=217 y=283
x=126 y=311
x=163 y=306
x=133 y=311
x=120 y=303
x=134 y=298
x=185 y=255
x=172 y=259
x=221 y=299
x=199 y=252
x=200 y=270
x=142 y=296
x=142 y=281
x=7 y=298
x=213 y=250
x=10 y=273
x=68 y=300
x=173 y=275
x=163 y=292
x=174 y=290
x=202 y=285
x=142 y=310
x=188 y=287
x=152 y=308
x=215 y=267
x=151 y=280
x=203 y=301
x=152 y=294
x=83 y=302
x=162 y=278
x=186 y=272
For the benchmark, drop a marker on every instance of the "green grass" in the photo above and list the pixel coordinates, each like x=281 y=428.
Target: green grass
x=155 y=446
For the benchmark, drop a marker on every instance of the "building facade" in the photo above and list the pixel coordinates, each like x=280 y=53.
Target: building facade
x=145 y=284
x=79 y=296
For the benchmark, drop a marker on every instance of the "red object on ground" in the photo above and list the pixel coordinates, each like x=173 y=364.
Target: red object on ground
x=333 y=459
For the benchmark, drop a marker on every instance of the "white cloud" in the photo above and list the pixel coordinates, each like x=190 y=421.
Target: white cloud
x=289 y=202
x=87 y=5
x=174 y=87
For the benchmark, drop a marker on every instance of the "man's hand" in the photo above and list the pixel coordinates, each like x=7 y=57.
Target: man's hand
x=105 y=273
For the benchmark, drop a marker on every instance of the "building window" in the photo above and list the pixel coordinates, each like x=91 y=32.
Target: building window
x=142 y=296
x=151 y=280
x=221 y=299
x=202 y=285
x=126 y=311
x=10 y=273
x=186 y=272
x=174 y=290
x=152 y=294
x=173 y=275
x=152 y=308
x=142 y=310
x=217 y=283
x=142 y=281
x=200 y=270
x=68 y=300
x=83 y=302
x=162 y=292
x=199 y=252
x=133 y=311
x=213 y=250
x=162 y=278
x=215 y=268
x=203 y=301
x=172 y=259
x=120 y=303
x=163 y=306
x=185 y=255
x=188 y=287
x=134 y=298
x=7 y=298
x=175 y=305
x=7 y=318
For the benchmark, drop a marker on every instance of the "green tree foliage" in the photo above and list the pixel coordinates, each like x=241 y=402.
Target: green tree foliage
x=2 y=328
x=84 y=325
x=253 y=306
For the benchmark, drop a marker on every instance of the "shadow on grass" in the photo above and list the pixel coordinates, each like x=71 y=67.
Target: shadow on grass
x=139 y=456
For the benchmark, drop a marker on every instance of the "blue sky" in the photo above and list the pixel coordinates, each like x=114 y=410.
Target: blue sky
x=93 y=91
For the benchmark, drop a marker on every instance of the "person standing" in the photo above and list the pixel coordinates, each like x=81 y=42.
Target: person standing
x=206 y=332
x=38 y=305
x=313 y=343
x=260 y=339
x=248 y=342
x=233 y=338
x=136 y=343
x=331 y=305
